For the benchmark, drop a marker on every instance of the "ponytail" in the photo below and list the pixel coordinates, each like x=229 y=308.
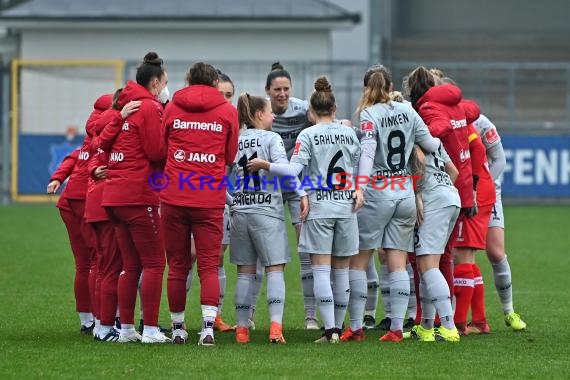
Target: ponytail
x=247 y=106
x=419 y=81
x=374 y=92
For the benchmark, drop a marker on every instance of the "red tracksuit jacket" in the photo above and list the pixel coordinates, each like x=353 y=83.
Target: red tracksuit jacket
x=94 y=212
x=201 y=131
x=485 y=187
x=136 y=153
x=76 y=188
x=441 y=110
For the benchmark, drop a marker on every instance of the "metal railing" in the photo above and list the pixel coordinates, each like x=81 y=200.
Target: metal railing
x=518 y=97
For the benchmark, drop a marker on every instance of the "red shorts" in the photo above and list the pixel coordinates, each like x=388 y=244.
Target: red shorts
x=471 y=232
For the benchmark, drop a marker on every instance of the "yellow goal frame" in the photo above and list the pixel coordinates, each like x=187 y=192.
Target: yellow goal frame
x=118 y=65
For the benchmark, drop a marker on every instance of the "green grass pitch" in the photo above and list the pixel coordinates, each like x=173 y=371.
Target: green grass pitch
x=39 y=329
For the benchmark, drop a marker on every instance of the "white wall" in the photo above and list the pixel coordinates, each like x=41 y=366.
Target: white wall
x=52 y=99
x=177 y=45
x=352 y=44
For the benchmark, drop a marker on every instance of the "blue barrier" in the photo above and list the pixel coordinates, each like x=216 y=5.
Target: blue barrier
x=38 y=157
x=537 y=166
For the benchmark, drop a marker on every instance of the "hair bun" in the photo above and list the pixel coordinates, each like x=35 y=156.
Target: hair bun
x=277 y=66
x=322 y=84
x=152 y=58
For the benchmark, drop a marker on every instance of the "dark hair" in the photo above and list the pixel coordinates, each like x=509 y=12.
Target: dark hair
x=277 y=71
x=379 y=69
x=150 y=68
x=419 y=81
x=247 y=106
x=202 y=73
x=375 y=91
x=115 y=102
x=322 y=100
x=224 y=77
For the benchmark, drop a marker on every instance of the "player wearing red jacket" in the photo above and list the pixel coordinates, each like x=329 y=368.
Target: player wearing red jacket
x=471 y=235
x=439 y=106
x=496 y=234
x=137 y=152
x=109 y=256
x=71 y=206
x=201 y=131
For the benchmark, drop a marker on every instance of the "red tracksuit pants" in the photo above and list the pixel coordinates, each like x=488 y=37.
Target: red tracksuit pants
x=139 y=235
x=206 y=225
x=110 y=265
x=82 y=242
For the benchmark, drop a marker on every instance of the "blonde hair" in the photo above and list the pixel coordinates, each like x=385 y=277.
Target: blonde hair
x=437 y=72
x=396 y=96
x=376 y=91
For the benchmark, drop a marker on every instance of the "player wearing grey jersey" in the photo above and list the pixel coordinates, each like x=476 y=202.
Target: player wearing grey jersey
x=258 y=223
x=389 y=132
x=438 y=208
x=291 y=117
x=327 y=153
x=495 y=244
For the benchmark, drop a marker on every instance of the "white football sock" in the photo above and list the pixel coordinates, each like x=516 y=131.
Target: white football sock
x=243 y=298
x=399 y=297
x=324 y=294
x=357 y=298
x=341 y=295
x=275 y=296
x=504 y=285
x=384 y=282
x=307 y=280
x=373 y=288
x=222 y=281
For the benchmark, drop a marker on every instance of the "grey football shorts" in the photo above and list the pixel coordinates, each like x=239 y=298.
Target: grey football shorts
x=260 y=236
x=387 y=224
x=497 y=216
x=433 y=234
x=333 y=236
x=294 y=203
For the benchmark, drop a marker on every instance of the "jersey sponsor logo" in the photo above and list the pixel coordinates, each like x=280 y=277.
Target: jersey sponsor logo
x=367 y=126
x=297 y=148
x=83 y=155
x=179 y=156
x=458 y=123
x=464 y=155
x=117 y=156
x=492 y=136
x=289 y=135
x=202 y=157
x=125 y=126
x=196 y=125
